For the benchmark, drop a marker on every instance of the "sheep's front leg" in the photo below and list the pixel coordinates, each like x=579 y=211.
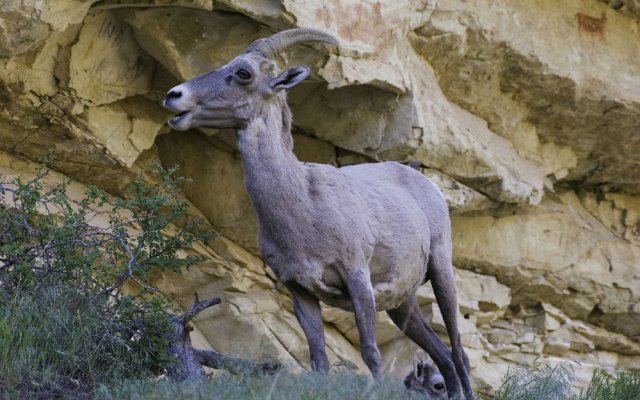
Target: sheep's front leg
x=364 y=307
x=307 y=310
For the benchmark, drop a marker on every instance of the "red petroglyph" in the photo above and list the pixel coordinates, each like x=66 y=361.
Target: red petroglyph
x=360 y=21
x=323 y=15
x=594 y=27
x=636 y=229
x=377 y=11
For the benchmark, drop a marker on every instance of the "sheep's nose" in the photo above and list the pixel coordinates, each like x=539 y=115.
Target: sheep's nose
x=174 y=94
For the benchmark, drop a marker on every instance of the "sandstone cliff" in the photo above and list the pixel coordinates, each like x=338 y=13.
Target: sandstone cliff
x=527 y=116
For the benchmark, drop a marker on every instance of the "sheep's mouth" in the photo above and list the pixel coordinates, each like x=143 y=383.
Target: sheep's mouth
x=176 y=118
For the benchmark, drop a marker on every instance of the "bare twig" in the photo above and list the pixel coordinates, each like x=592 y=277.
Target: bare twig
x=198 y=307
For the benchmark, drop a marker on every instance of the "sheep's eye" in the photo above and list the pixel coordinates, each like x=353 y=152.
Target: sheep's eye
x=243 y=74
x=439 y=386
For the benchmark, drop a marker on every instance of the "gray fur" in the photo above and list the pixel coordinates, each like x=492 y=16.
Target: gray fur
x=362 y=238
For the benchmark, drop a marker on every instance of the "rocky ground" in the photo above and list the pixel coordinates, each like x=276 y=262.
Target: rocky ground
x=526 y=115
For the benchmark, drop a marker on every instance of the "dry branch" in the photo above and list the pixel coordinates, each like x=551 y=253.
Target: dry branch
x=198 y=307
x=213 y=359
x=188 y=362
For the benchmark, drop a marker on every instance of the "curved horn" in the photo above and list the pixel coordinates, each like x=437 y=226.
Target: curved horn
x=272 y=46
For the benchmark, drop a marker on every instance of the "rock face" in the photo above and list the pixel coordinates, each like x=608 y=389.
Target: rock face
x=525 y=115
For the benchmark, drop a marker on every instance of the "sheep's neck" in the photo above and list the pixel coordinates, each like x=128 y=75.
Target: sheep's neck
x=274 y=178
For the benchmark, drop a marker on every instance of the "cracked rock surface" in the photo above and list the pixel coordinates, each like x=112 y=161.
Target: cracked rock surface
x=527 y=116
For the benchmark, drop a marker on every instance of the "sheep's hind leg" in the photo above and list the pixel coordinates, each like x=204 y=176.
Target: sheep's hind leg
x=443 y=282
x=307 y=310
x=364 y=308
x=408 y=317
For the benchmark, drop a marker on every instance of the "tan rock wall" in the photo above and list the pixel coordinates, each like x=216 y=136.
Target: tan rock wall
x=525 y=115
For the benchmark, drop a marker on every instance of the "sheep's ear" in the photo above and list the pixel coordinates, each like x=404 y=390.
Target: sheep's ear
x=427 y=361
x=417 y=366
x=289 y=78
x=421 y=363
x=419 y=369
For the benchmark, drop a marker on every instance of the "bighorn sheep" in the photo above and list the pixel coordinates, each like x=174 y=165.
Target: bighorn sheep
x=362 y=238
x=426 y=378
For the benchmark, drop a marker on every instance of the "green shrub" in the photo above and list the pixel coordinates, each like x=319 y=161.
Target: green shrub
x=65 y=322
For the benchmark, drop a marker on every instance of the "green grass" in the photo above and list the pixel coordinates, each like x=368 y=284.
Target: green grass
x=625 y=386
x=542 y=383
x=51 y=349
x=282 y=386
x=554 y=383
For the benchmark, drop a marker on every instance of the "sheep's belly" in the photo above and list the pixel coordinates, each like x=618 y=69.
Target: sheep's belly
x=333 y=297
x=388 y=294
x=394 y=277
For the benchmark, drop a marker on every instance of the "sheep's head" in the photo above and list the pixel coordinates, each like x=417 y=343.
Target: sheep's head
x=426 y=378
x=231 y=96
